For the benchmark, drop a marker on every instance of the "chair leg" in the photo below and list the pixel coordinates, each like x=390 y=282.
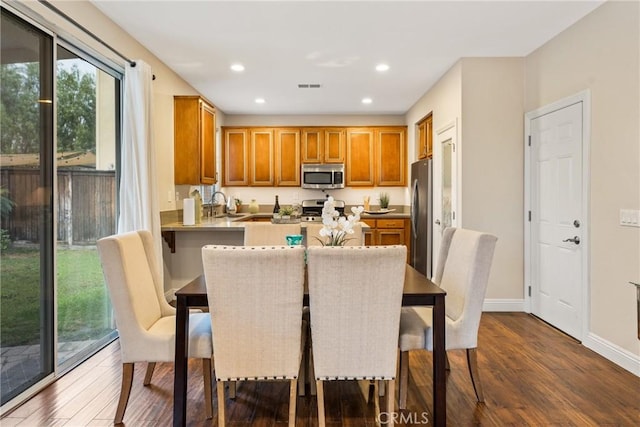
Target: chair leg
x=125 y=391
x=472 y=361
x=391 y=391
x=220 y=388
x=206 y=373
x=320 y=391
x=403 y=380
x=232 y=389
x=293 y=398
x=147 y=376
x=447 y=366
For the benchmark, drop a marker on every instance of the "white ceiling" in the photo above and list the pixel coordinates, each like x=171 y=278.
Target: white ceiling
x=334 y=43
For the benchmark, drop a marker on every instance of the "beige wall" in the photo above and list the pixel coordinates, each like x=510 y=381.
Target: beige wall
x=491 y=142
x=601 y=53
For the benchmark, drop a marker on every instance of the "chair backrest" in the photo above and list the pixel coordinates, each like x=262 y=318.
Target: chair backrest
x=463 y=271
x=255 y=299
x=313 y=234
x=266 y=233
x=355 y=296
x=130 y=271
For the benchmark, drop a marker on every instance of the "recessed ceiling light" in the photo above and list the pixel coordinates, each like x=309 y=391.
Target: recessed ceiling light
x=382 y=67
x=367 y=100
x=260 y=101
x=237 y=68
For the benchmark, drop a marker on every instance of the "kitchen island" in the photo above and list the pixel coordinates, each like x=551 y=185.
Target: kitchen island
x=183 y=243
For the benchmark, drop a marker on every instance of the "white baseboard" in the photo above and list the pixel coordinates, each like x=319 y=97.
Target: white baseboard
x=503 y=305
x=616 y=354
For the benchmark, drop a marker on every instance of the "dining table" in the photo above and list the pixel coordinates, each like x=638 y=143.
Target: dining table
x=418 y=291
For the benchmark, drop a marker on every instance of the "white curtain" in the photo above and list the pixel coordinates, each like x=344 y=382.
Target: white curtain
x=138 y=190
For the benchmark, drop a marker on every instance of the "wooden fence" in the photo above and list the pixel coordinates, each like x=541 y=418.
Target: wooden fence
x=86 y=205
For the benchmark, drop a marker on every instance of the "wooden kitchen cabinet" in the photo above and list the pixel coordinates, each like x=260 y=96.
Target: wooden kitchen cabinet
x=425 y=137
x=194 y=141
x=323 y=145
x=383 y=232
x=391 y=156
x=359 y=166
x=261 y=158
x=287 y=157
x=235 y=154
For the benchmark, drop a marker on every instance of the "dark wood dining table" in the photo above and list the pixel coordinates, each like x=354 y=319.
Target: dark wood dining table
x=418 y=291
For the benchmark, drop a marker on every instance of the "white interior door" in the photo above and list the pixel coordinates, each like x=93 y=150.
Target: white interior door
x=557 y=222
x=445 y=190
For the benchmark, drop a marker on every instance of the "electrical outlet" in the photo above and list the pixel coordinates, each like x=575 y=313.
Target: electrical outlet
x=630 y=217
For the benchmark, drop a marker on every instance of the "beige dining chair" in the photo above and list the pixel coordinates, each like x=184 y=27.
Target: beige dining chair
x=313 y=235
x=146 y=322
x=355 y=296
x=463 y=271
x=266 y=233
x=255 y=298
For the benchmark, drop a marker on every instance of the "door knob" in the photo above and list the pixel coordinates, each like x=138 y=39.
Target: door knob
x=575 y=240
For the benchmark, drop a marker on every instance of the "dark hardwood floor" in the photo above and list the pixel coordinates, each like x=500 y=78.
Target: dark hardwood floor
x=532 y=375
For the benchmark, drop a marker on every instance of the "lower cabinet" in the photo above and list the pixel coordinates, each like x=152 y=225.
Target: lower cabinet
x=384 y=232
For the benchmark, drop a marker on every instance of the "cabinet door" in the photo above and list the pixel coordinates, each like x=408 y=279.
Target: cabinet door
x=312 y=145
x=391 y=154
x=208 y=173
x=287 y=157
x=186 y=134
x=369 y=233
x=334 y=146
x=425 y=137
x=359 y=167
x=235 y=149
x=261 y=159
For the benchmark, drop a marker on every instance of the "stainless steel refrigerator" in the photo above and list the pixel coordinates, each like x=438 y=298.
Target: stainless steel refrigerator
x=421 y=212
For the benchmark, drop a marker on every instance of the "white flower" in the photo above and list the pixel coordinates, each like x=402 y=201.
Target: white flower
x=335 y=227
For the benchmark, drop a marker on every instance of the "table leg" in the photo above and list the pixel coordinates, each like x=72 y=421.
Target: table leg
x=181 y=360
x=439 y=364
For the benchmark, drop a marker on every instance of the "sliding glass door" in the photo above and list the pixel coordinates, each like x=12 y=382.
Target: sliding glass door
x=59 y=134
x=26 y=184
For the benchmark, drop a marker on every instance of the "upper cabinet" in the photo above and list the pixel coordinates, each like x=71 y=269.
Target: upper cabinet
x=425 y=137
x=391 y=156
x=287 y=160
x=194 y=141
x=376 y=157
x=256 y=156
x=235 y=154
x=359 y=168
x=323 y=145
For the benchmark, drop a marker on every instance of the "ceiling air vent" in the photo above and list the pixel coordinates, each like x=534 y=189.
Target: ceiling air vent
x=308 y=85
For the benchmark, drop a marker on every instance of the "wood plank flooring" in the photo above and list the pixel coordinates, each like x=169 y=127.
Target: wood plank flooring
x=532 y=375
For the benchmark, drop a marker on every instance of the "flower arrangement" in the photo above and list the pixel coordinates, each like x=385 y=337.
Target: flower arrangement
x=335 y=228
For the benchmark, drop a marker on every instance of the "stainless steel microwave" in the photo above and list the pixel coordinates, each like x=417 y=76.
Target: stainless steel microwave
x=323 y=176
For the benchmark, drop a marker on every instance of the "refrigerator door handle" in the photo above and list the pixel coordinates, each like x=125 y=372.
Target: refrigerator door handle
x=414 y=208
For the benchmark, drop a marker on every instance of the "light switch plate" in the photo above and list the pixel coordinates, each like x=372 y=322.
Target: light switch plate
x=630 y=217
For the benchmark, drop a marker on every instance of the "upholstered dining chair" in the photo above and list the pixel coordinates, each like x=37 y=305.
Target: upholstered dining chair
x=255 y=298
x=146 y=322
x=464 y=262
x=266 y=233
x=313 y=234
x=355 y=296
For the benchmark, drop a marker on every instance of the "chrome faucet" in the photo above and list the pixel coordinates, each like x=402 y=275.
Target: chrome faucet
x=213 y=199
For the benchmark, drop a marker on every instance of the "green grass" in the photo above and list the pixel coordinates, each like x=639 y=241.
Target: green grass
x=83 y=310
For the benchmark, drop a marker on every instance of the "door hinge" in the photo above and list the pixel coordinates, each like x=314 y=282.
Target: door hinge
x=453 y=215
x=529 y=216
x=529 y=290
x=529 y=140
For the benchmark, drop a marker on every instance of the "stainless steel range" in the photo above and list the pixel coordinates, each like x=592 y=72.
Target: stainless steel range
x=312 y=209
